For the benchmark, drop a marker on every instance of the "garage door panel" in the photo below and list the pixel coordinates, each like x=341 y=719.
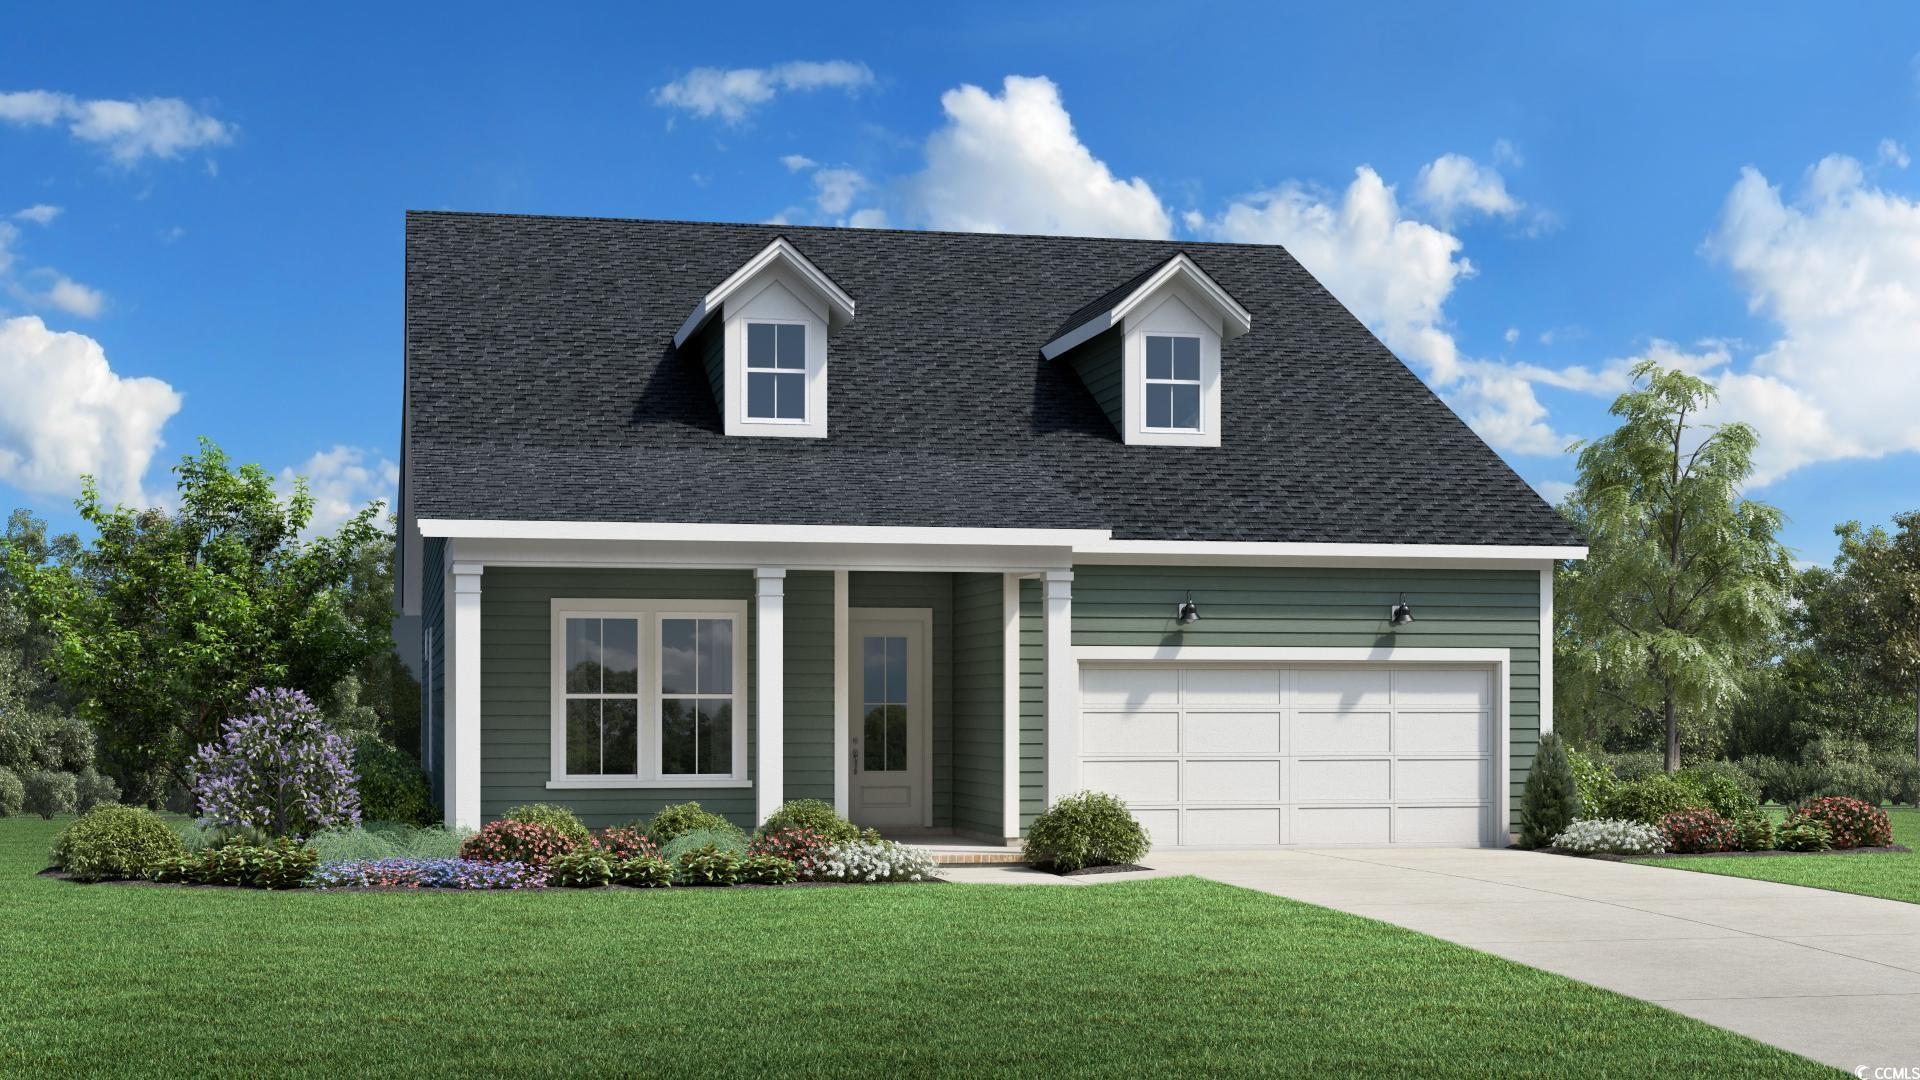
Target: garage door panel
x=1163 y=826
x=1232 y=781
x=1454 y=687
x=1439 y=825
x=1454 y=779
x=1130 y=732
x=1341 y=825
x=1235 y=827
x=1134 y=781
x=1341 y=688
x=1230 y=733
x=1340 y=781
x=1340 y=732
x=1237 y=686
x=1129 y=688
x=1439 y=732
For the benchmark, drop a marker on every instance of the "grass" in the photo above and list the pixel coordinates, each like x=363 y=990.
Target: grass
x=1895 y=877
x=1171 y=976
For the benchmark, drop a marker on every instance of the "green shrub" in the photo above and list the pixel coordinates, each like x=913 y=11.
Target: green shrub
x=33 y=739
x=13 y=793
x=114 y=841
x=1593 y=783
x=387 y=840
x=1850 y=822
x=1902 y=776
x=1091 y=828
x=1784 y=782
x=643 y=872
x=680 y=818
x=812 y=814
x=91 y=790
x=1548 y=803
x=1754 y=832
x=582 y=868
x=1650 y=799
x=283 y=864
x=1634 y=764
x=1724 y=788
x=392 y=787
x=708 y=865
x=50 y=793
x=765 y=870
x=1802 y=834
x=558 y=818
x=727 y=839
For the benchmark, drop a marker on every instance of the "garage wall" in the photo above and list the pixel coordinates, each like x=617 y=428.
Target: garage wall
x=1312 y=607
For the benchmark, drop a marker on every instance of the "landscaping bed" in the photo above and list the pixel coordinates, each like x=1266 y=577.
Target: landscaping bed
x=1894 y=849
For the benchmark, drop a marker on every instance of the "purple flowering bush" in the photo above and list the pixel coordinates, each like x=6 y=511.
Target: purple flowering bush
x=279 y=768
x=427 y=874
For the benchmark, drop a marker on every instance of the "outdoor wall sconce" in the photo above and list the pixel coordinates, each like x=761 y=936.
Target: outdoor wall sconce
x=1401 y=614
x=1187 y=613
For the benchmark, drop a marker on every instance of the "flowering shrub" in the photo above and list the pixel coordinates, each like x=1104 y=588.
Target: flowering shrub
x=643 y=872
x=812 y=814
x=1802 y=834
x=875 y=860
x=278 y=768
x=1690 y=832
x=581 y=868
x=559 y=818
x=1610 y=836
x=806 y=849
x=764 y=870
x=427 y=874
x=1850 y=822
x=516 y=841
x=678 y=818
x=623 y=842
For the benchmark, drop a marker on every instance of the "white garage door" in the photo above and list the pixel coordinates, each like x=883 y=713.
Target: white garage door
x=1211 y=755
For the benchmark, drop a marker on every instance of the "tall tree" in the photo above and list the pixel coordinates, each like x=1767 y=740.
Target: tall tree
x=163 y=623
x=1685 y=581
x=1874 y=613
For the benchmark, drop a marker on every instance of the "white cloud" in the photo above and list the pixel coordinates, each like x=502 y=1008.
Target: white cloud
x=1512 y=335
x=1454 y=186
x=1506 y=153
x=343 y=481
x=867 y=219
x=64 y=294
x=1892 y=153
x=8 y=234
x=65 y=412
x=835 y=189
x=1553 y=490
x=1012 y=162
x=126 y=130
x=38 y=213
x=731 y=93
x=798 y=162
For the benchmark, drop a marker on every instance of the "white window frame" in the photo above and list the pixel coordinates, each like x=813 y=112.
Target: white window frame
x=649 y=614
x=775 y=297
x=1174 y=312
x=747 y=371
x=1198 y=382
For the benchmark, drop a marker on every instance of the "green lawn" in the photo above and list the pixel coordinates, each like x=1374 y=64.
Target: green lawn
x=1173 y=976
x=1896 y=877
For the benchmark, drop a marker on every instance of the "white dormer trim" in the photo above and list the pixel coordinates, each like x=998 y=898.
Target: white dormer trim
x=780 y=253
x=1233 y=319
x=1176 y=312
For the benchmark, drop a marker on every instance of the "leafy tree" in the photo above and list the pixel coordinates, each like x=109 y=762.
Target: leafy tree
x=1685 y=582
x=166 y=620
x=384 y=697
x=1873 y=612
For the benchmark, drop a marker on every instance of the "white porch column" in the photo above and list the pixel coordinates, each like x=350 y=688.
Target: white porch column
x=770 y=600
x=1546 y=650
x=462 y=760
x=1063 y=689
x=1010 y=685
x=842 y=695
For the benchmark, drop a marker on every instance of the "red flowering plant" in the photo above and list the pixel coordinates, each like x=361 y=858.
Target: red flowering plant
x=1851 y=822
x=806 y=849
x=622 y=842
x=1690 y=832
x=517 y=841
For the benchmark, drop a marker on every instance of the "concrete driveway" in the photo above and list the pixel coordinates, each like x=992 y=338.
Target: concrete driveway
x=1830 y=976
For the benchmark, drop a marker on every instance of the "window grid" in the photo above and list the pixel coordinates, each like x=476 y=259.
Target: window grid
x=884 y=705
x=1172 y=389
x=700 y=710
x=602 y=713
x=777 y=372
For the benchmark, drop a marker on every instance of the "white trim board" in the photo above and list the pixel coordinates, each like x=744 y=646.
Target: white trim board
x=780 y=252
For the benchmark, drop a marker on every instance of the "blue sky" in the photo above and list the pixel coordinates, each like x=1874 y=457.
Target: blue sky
x=200 y=217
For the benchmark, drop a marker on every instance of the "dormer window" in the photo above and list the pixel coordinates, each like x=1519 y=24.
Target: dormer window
x=1173 y=383
x=1149 y=353
x=777 y=372
x=762 y=336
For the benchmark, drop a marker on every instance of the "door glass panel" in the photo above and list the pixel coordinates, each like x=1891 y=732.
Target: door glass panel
x=884 y=679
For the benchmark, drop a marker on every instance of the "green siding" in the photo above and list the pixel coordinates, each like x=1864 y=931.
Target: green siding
x=935 y=591
x=1101 y=366
x=808 y=719
x=1316 y=607
x=515 y=687
x=1033 y=703
x=979 y=704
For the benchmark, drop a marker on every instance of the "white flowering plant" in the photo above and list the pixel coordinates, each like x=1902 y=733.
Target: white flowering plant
x=1611 y=836
x=862 y=861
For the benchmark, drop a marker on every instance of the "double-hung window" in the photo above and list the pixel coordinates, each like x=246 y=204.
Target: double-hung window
x=777 y=371
x=648 y=693
x=1173 y=383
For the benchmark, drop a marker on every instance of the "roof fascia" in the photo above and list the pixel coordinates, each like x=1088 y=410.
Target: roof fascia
x=840 y=306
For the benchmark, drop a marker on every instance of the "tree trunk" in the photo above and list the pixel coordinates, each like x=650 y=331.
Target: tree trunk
x=1673 y=736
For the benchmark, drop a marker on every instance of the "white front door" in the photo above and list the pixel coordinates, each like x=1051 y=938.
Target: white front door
x=889 y=730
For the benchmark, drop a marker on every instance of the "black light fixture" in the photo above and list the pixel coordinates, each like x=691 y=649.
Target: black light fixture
x=1187 y=613
x=1401 y=614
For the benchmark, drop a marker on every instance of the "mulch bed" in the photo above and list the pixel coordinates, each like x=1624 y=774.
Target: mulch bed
x=1892 y=849
x=1088 y=871
x=62 y=875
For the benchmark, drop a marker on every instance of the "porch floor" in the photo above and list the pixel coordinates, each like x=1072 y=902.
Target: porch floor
x=951 y=849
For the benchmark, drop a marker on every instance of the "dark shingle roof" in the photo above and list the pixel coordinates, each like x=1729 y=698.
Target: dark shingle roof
x=543 y=384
